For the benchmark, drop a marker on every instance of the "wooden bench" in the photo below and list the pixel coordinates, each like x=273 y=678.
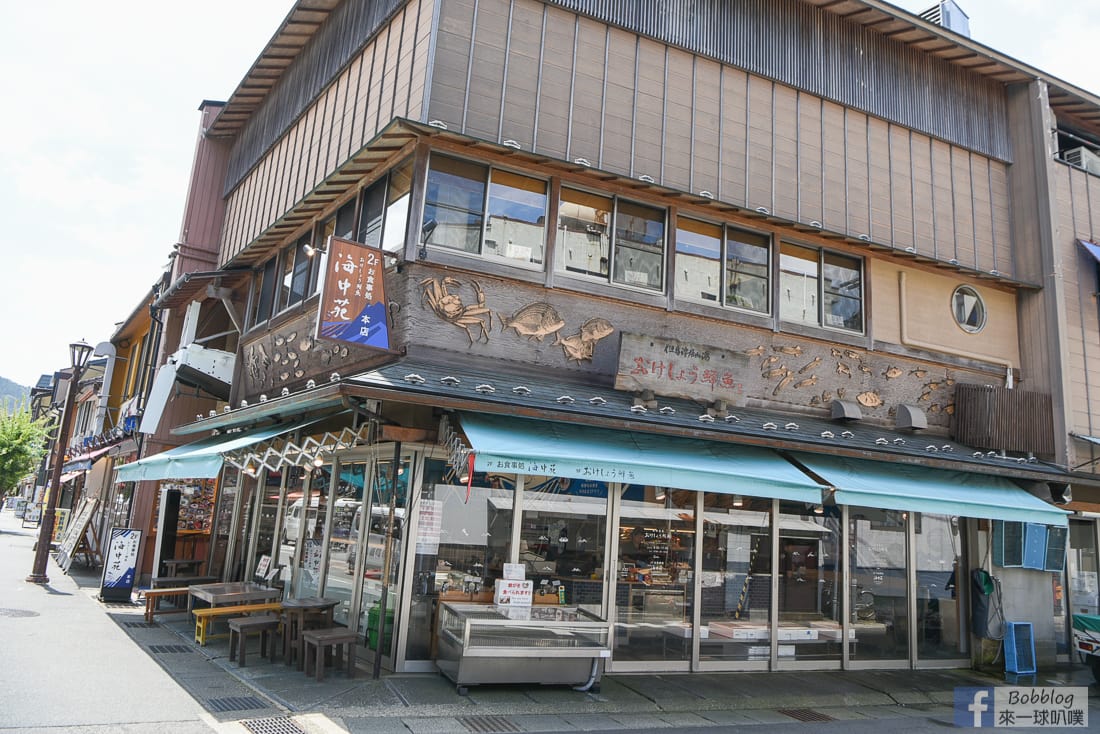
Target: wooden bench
x=153 y=597
x=241 y=627
x=205 y=617
x=340 y=639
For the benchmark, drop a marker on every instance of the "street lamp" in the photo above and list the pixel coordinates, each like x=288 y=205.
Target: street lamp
x=79 y=352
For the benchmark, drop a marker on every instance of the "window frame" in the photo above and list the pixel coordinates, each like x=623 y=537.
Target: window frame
x=482 y=252
x=980 y=301
x=611 y=232
x=722 y=298
x=822 y=292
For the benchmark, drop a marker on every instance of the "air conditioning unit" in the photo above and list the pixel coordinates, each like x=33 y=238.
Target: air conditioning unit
x=1083 y=158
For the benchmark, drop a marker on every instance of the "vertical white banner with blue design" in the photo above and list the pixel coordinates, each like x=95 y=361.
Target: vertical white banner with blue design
x=120 y=564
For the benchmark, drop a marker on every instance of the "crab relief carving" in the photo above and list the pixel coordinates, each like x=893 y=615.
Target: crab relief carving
x=475 y=319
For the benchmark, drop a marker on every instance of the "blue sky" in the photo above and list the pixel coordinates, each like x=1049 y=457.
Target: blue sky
x=101 y=122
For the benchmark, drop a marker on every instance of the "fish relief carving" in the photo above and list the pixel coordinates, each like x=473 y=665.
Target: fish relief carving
x=815 y=400
x=777 y=372
x=768 y=361
x=919 y=373
x=475 y=319
x=843 y=369
x=582 y=345
x=891 y=372
x=840 y=393
x=836 y=352
x=827 y=396
x=808 y=382
x=864 y=369
x=793 y=351
x=533 y=321
x=949 y=409
x=851 y=355
x=755 y=352
x=869 y=399
x=782 y=384
x=810 y=365
x=934 y=408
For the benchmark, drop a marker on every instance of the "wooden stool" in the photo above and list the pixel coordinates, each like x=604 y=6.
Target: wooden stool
x=238 y=635
x=340 y=639
x=295 y=622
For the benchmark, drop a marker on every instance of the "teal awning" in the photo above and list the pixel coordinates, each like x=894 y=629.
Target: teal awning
x=201 y=459
x=921 y=489
x=545 y=448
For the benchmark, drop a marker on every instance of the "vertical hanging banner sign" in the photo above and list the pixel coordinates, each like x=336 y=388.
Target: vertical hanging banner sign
x=120 y=565
x=353 y=300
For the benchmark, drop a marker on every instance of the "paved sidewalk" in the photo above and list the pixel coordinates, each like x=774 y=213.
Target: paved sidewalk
x=114 y=667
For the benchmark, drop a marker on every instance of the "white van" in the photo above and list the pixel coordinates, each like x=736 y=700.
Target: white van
x=292 y=521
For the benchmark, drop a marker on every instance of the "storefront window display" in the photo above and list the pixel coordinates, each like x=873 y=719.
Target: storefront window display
x=878 y=584
x=810 y=585
x=347 y=515
x=939 y=556
x=388 y=495
x=563 y=542
x=223 y=520
x=735 y=578
x=307 y=527
x=654 y=593
x=461 y=546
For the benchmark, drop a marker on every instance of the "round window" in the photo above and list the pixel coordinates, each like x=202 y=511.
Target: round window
x=968 y=308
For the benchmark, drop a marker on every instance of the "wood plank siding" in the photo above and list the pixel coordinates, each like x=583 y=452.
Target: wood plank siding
x=280 y=157
x=847 y=129
x=1077 y=198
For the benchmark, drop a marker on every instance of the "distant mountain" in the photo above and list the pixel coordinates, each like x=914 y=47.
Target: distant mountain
x=11 y=394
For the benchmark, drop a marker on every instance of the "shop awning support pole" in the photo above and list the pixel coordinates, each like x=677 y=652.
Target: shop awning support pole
x=386 y=561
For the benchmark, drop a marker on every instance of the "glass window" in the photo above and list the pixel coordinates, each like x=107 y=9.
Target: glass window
x=296 y=273
x=940 y=626
x=968 y=308
x=842 y=301
x=346 y=519
x=698 y=260
x=747 y=265
x=654 y=592
x=515 y=228
x=454 y=200
x=583 y=221
x=809 y=582
x=798 y=284
x=879 y=604
x=820 y=288
x=370 y=216
x=735 y=576
x=265 y=296
x=639 y=245
x=397 y=207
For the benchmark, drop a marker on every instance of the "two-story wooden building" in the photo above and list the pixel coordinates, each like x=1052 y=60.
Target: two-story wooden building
x=749 y=328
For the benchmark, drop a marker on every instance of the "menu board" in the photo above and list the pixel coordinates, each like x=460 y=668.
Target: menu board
x=75 y=531
x=120 y=565
x=196 y=504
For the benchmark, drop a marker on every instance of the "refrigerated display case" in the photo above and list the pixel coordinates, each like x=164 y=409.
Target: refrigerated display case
x=546 y=645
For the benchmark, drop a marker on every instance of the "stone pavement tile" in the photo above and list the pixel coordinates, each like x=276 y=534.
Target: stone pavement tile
x=598 y=722
x=684 y=719
x=728 y=718
x=879 y=712
x=435 y=725
x=662 y=690
x=538 y=722
x=639 y=721
x=375 y=725
x=767 y=716
x=426 y=689
x=841 y=713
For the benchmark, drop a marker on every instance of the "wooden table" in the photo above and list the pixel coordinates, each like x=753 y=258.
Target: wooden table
x=294 y=619
x=182 y=566
x=237 y=592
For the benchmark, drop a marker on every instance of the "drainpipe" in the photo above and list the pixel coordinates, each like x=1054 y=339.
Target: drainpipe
x=904 y=330
x=104 y=349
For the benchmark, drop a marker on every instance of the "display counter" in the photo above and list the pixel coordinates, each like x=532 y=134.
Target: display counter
x=547 y=645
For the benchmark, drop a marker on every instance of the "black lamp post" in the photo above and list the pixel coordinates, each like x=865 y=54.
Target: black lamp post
x=79 y=353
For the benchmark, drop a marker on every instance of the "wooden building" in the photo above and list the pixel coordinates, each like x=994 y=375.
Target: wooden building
x=641 y=261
